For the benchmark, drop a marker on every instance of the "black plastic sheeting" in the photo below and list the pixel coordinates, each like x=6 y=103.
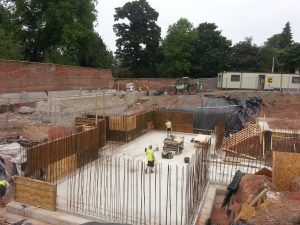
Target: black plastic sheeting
x=208 y=114
x=232 y=187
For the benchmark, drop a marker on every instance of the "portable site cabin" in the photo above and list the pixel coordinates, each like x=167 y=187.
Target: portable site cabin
x=258 y=81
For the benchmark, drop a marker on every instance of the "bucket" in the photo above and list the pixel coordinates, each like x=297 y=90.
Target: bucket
x=186 y=159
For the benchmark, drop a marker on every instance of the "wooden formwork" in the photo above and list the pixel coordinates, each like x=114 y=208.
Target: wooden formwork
x=286 y=166
x=181 y=121
x=36 y=193
x=80 y=121
x=129 y=127
x=57 y=158
x=61 y=168
x=122 y=123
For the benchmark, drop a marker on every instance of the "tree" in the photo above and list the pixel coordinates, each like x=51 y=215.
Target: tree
x=211 y=51
x=290 y=58
x=273 y=46
x=138 y=39
x=177 y=49
x=58 y=31
x=286 y=37
x=10 y=47
x=245 y=56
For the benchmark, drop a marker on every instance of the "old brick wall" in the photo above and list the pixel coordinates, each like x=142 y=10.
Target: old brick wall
x=16 y=76
x=160 y=83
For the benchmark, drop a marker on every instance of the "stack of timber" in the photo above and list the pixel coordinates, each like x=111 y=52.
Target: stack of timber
x=175 y=144
x=230 y=142
x=201 y=140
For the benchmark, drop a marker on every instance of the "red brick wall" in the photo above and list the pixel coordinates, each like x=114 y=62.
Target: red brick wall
x=16 y=76
x=159 y=83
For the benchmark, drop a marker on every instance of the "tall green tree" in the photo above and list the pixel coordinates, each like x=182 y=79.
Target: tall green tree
x=177 y=49
x=286 y=36
x=137 y=39
x=58 y=31
x=245 y=56
x=211 y=51
x=290 y=58
x=10 y=46
x=273 y=46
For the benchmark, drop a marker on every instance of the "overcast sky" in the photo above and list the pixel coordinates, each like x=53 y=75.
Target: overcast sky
x=236 y=19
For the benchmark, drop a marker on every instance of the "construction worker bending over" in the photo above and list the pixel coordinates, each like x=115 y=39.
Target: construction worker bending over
x=150 y=159
x=169 y=128
x=3 y=186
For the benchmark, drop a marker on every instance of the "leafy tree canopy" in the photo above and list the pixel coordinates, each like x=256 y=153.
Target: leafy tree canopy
x=58 y=31
x=177 y=49
x=10 y=47
x=274 y=46
x=138 y=38
x=245 y=56
x=290 y=58
x=211 y=51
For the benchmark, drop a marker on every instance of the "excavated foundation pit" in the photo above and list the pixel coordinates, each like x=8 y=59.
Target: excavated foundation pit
x=116 y=187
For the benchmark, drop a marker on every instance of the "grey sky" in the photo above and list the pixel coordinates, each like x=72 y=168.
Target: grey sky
x=236 y=18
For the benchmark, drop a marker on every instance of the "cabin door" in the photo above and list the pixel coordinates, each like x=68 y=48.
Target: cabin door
x=261 y=81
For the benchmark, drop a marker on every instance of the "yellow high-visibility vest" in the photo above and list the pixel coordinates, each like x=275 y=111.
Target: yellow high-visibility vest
x=169 y=124
x=149 y=154
x=4 y=183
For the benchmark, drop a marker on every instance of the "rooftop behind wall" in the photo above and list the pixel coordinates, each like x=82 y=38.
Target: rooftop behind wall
x=17 y=76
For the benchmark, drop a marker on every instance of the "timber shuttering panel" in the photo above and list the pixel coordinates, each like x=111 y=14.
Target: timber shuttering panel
x=125 y=129
x=128 y=127
x=56 y=159
x=36 y=193
x=181 y=121
x=285 y=168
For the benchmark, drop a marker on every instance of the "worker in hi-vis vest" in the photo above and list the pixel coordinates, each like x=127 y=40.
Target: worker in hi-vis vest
x=3 y=186
x=150 y=159
x=169 y=128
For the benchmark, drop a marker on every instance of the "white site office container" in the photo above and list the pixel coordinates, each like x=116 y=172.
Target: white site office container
x=258 y=81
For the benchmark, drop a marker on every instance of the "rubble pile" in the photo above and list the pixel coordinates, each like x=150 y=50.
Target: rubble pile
x=257 y=202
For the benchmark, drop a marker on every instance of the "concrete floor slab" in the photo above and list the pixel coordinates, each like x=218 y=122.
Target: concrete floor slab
x=136 y=148
x=117 y=188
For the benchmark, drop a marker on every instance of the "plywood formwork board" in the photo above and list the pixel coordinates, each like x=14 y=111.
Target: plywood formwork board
x=122 y=123
x=36 y=193
x=61 y=168
x=286 y=166
x=181 y=121
x=54 y=153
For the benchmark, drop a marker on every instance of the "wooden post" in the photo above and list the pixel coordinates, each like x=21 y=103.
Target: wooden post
x=96 y=110
x=54 y=111
x=103 y=104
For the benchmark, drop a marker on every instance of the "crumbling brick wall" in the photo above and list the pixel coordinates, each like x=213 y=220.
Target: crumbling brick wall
x=17 y=76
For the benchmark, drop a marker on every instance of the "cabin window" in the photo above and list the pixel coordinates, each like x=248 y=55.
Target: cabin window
x=235 y=78
x=296 y=80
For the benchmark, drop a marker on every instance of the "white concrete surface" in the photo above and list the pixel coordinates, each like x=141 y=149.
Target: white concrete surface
x=117 y=188
x=136 y=148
